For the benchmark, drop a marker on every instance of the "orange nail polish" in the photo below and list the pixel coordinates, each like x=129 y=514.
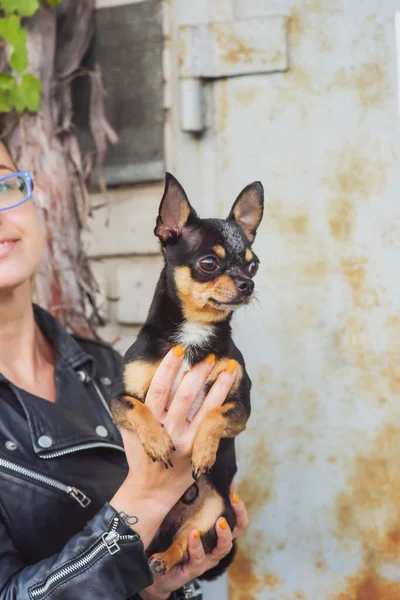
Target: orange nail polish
x=197 y=533
x=232 y=366
x=223 y=523
x=235 y=498
x=210 y=359
x=179 y=350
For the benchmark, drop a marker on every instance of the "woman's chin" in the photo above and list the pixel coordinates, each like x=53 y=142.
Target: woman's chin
x=12 y=279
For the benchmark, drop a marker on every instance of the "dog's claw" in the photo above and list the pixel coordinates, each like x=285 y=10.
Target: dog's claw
x=170 y=463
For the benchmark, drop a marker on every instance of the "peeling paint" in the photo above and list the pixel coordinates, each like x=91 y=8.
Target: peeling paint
x=233 y=48
x=355 y=272
x=368 y=585
x=368 y=510
x=246 y=96
x=244 y=583
x=295 y=26
x=342 y=217
x=223 y=107
x=276 y=213
x=257 y=491
x=358 y=169
x=369 y=80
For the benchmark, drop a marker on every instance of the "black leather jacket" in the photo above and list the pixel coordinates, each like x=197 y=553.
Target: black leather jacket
x=60 y=464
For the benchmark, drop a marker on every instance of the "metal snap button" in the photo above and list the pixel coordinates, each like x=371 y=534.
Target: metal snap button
x=11 y=445
x=101 y=431
x=45 y=441
x=82 y=376
x=105 y=380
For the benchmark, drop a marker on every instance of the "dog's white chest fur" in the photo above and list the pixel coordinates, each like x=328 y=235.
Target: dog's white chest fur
x=192 y=336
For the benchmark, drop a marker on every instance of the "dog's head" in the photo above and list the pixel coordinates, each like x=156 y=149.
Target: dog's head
x=210 y=261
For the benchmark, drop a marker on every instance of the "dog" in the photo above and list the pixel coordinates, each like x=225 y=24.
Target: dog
x=208 y=273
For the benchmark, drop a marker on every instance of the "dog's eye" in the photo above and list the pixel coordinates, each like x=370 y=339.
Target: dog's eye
x=253 y=268
x=208 y=264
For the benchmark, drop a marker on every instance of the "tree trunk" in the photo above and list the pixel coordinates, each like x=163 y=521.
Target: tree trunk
x=45 y=144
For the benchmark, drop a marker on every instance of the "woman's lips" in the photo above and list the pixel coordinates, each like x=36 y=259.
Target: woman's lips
x=7 y=245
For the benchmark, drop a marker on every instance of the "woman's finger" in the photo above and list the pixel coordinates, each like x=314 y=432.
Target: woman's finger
x=197 y=556
x=241 y=516
x=164 y=377
x=188 y=390
x=224 y=544
x=217 y=394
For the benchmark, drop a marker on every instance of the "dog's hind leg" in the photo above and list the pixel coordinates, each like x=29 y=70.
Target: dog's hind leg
x=204 y=519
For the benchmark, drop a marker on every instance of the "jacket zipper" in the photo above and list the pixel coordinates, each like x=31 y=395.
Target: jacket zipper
x=100 y=394
x=80 y=447
x=109 y=541
x=77 y=494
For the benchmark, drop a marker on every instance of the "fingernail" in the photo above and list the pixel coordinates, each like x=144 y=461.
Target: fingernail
x=232 y=366
x=223 y=523
x=210 y=359
x=235 y=498
x=197 y=533
x=179 y=350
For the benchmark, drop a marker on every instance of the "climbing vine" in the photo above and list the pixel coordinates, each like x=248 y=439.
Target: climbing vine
x=19 y=90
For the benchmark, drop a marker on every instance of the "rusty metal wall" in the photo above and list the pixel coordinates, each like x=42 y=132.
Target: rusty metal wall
x=319 y=465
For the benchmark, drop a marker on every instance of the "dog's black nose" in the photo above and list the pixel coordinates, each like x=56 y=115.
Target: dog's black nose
x=246 y=286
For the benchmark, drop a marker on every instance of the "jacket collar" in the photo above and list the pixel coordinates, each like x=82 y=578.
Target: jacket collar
x=78 y=412
x=67 y=349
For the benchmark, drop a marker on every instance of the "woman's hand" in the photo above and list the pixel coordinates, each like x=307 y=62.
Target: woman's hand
x=199 y=561
x=149 y=490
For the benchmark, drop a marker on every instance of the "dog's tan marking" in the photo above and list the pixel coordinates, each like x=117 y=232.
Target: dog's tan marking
x=204 y=519
x=216 y=425
x=195 y=296
x=139 y=419
x=221 y=365
x=249 y=255
x=219 y=251
x=137 y=377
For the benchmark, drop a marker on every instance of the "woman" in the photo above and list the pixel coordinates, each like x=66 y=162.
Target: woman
x=79 y=504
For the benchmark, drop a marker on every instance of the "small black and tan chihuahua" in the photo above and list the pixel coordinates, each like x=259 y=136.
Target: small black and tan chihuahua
x=208 y=273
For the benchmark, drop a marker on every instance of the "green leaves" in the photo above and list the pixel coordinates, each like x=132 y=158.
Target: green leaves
x=19 y=91
x=24 y=95
x=25 y=8
x=12 y=32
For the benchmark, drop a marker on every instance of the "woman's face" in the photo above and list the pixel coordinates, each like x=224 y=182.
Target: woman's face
x=21 y=237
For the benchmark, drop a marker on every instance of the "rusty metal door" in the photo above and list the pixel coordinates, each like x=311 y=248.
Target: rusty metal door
x=317 y=123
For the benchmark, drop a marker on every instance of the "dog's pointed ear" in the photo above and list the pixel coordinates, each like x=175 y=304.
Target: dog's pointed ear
x=175 y=211
x=248 y=208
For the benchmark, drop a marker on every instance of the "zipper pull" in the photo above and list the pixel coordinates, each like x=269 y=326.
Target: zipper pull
x=79 y=496
x=110 y=539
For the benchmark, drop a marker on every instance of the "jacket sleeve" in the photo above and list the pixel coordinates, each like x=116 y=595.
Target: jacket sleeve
x=105 y=561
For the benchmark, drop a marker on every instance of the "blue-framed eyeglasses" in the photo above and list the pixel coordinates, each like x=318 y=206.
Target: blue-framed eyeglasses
x=15 y=189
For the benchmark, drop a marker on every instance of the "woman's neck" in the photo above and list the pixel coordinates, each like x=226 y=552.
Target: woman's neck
x=23 y=348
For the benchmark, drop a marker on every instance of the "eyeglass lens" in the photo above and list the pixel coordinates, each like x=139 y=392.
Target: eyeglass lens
x=12 y=191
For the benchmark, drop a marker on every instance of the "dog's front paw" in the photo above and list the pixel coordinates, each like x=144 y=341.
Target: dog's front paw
x=157 y=444
x=203 y=460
